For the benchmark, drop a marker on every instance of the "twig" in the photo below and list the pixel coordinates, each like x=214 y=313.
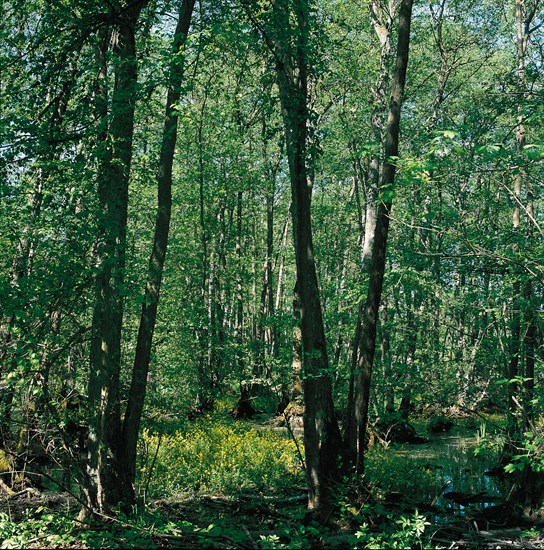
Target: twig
x=152 y=465
x=291 y=433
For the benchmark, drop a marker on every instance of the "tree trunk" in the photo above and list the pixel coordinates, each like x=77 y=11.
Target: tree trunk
x=382 y=21
x=204 y=397
x=530 y=481
x=156 y=262
x=321 y=433
x=377 y=262
x=104 y=485
x=386 y=362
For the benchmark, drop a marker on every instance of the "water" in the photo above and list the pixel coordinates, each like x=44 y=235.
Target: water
x=452 y=458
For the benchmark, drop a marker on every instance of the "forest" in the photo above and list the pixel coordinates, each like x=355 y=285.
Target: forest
x=271 y=274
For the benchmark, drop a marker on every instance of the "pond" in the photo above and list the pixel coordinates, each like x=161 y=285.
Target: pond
x=459 y=471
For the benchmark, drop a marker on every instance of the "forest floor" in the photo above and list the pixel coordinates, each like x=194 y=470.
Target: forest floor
x=395 y=510
x=252 y=521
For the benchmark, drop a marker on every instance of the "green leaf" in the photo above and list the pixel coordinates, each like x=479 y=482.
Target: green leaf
x=450 y=134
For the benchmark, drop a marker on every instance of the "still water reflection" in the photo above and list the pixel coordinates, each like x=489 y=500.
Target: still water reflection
x=457 y=468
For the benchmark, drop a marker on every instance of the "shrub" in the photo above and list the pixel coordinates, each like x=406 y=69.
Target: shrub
x=405 y=532
x=229 y=458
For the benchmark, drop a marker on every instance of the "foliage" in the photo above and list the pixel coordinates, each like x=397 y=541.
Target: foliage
x=440 y=423
x=489 y=442
x=213 y=456
x=42 y=529
x=529 y=452
x=45 y=529
x=391 y=471
x=152 y=529
x=463 y=289
x=404 y=532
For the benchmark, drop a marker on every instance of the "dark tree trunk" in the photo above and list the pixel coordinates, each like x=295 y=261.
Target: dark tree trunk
x=377 y=262
x=104 y=482
x=321 y=432
x=160 y=242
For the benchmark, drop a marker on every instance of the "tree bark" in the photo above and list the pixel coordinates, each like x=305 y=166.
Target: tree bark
x=204 y=397
x=321 y=432
x=150 y=304
x=530 y=481
x=104 y=485
x=377 y=262
x=382 y=21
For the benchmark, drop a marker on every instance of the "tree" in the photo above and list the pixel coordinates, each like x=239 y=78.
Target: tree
x=523 y=325
x=51 y=233
x=150 y=302
x=322 y=439
x=274 y=120
x=107 y=481
x=367 y=341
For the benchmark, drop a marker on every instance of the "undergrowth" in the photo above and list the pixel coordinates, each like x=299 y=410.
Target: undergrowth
x=40 y=529
x=238 y=464
x=392 y=472
x=220 y=457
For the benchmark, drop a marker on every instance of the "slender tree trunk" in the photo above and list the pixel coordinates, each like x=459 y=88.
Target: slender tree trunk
x=522 y=37
x=530 y=319
x=531 y=482
x=377 y=264
x=267 y=296
x=148 y=316
x=281 y=268
x=386 y=362
x=204 y=396
x=291 y=388
x=340 y=291
x=296 y=359
x=244 y=408
x=406 y=399
x=437 y=15
x=382 y=20
x=218 y=299
x=413 y=301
